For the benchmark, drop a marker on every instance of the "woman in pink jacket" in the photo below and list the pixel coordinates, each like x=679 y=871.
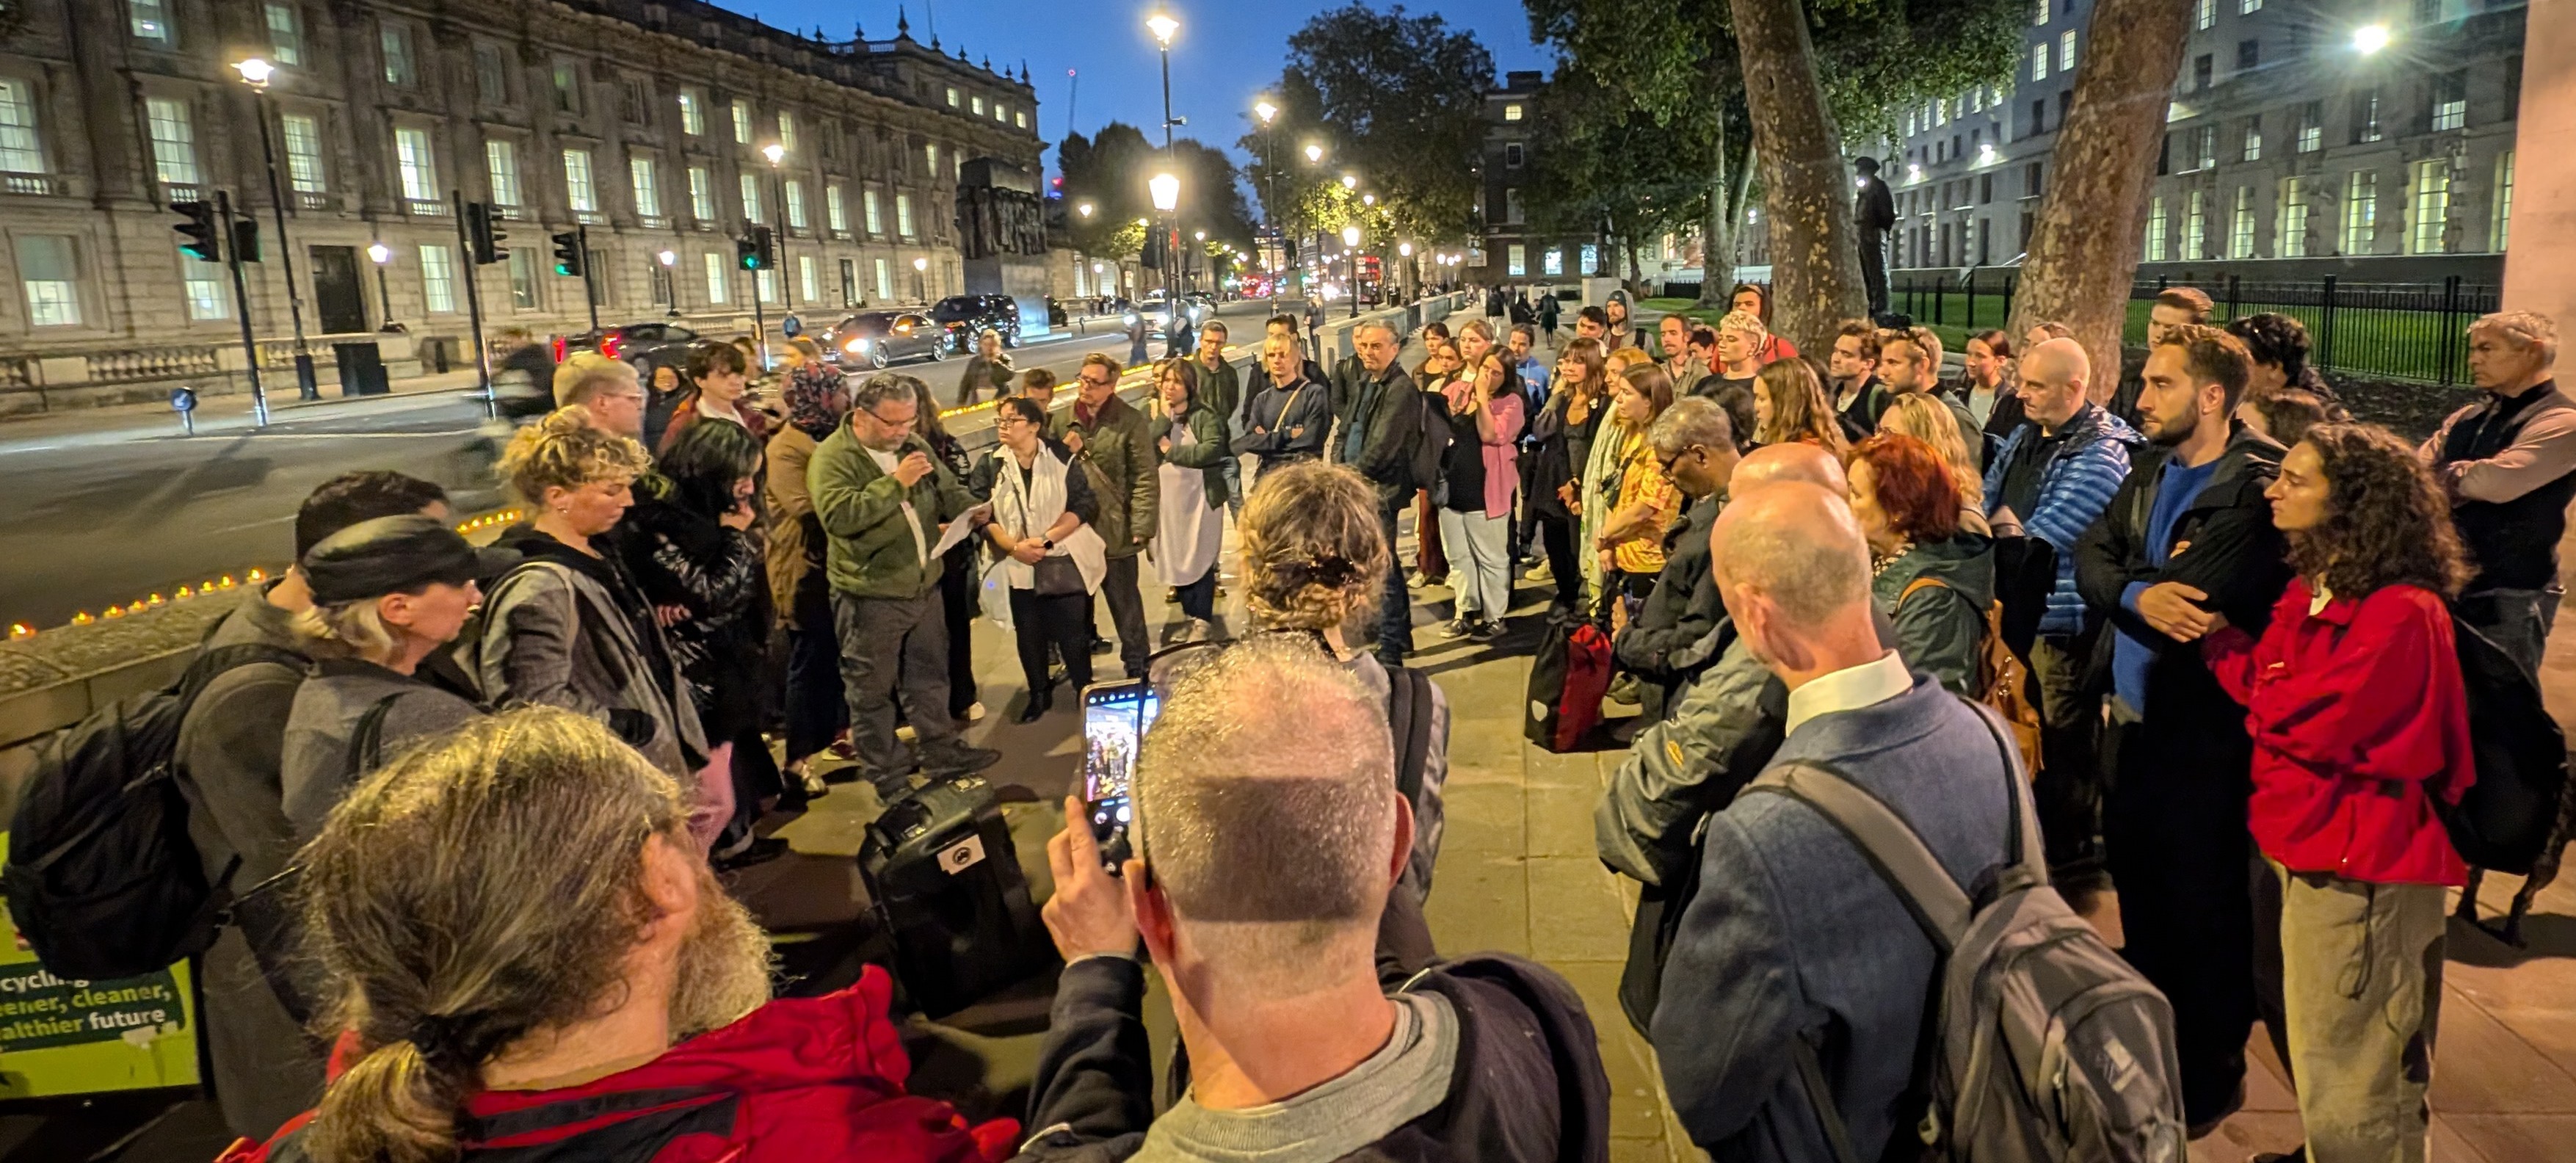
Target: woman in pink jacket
x=1481 y=475
x=2360 y=723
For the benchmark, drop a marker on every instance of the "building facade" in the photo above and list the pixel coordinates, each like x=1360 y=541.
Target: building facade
x=646 y=124
x=1508 y=250
x=2370 y=140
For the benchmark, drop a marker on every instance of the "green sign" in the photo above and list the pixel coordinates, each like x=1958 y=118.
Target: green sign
x=60 y=1036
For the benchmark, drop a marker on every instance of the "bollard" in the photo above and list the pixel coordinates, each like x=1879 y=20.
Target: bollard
x=183 y=400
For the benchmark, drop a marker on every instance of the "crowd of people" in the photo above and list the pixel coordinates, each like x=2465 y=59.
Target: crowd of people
x=2225 y=608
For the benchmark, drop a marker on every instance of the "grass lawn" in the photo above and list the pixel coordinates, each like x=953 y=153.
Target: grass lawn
x=2402 y=345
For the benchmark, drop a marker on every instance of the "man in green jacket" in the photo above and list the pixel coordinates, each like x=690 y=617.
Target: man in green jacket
x=1221 y=391
x=1108 y=440
x=882 y=496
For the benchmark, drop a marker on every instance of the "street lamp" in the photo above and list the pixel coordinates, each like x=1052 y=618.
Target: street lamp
x=1314 y=153
x=777 y=153
x=382 y=255
x=1404 y=250
x=256 y=73
x=1166 y=189
x=670 y=259
x=1083 y=209
x=1267 y=112
x=2370 y=38
x=1350 y=182
x=1351 y=239
x=1166 y=198
x=920 y=271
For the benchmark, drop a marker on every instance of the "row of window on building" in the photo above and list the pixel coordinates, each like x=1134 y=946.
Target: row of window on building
x=1551 y=261
x=151 y=22
x=49 y=277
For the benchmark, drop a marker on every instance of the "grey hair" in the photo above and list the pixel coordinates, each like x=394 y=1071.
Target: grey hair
x=2524 y=328
x=1692 y=422
x=885 y=386
x=1376 y=325
x=1265 y=806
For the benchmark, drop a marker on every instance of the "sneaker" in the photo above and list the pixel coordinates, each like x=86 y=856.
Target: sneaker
x=758 y=851
x=957 y=759
x=1486 y=630
x=1457 y=628
x=1172 y=596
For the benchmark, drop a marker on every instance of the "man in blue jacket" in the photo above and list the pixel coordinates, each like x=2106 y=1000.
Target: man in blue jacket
x=2050 y=479
x=1793 y=937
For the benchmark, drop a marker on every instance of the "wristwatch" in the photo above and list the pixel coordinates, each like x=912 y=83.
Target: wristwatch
x=1049 y=542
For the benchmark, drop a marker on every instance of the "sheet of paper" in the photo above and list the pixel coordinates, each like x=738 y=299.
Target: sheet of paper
x=957 y=531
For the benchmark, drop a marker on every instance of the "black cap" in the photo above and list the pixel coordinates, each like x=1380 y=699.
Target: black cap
x=394 y=555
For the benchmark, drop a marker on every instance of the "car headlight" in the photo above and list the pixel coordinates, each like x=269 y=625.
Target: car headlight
x=856 y=347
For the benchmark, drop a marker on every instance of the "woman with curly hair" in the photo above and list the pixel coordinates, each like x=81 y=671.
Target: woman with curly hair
x=2360 y=726
x=1931 y=577
x=1924 y=418
x=1790 y=406
x=569 y=627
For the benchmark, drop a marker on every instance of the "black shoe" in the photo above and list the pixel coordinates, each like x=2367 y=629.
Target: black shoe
x=957 y=759
x=1486 y=630
x=1099 y=646
x=1039 y=704
x=759 y=851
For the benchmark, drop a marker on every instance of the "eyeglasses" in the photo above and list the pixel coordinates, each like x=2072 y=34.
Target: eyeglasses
x=1096 y=383
x=880 y=418
x=1665 y=463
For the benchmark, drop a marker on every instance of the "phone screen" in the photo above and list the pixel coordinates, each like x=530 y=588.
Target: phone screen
x=1114 y=719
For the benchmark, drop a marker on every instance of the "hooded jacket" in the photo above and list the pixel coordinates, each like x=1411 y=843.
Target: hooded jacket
x=1940 y=627
x=1526 y=1086
x=801 y=1080
x=565 y=629
x=2074 y=487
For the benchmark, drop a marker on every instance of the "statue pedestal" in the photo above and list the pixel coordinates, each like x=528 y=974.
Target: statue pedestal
x=1021 y=276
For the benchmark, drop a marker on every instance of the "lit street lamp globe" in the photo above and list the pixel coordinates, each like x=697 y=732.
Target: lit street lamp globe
x=1083 y=209
x=1404 y=249
x=774 y=152
x=256 y=71
x=379 y=254
x=1351 y=236
x=1167 y=191
x=1265 y=111
x=1163 y=27
x=668 y=258
x=2370 y=38
x=921 y=264
x=1314 y=153
x=1349 y=182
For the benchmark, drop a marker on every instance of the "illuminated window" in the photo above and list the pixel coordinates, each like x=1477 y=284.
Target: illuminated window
x=2360 y=211
x=438 y=279
x=2290 y=235
x=2155 y=250
x=2430 y=210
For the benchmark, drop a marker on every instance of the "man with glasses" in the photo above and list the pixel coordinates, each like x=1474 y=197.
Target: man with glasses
x=1107 y=438
x=605 y=390
x=1695 y=445
x=882 y=497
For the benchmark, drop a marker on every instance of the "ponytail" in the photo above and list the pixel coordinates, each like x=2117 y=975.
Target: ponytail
x=392 y=1105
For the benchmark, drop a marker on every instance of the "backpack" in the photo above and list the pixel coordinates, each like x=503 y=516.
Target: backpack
x=1567 y=679
x=2040 y=1042
x=2507 y=818
x=102 y=877
x=2001 y=677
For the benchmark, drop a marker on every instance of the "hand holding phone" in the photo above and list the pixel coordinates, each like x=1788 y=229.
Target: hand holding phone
x=1114 y=718
x=1089 y=912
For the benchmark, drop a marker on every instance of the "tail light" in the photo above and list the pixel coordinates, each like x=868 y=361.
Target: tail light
x=612 y=345
x=559 y=349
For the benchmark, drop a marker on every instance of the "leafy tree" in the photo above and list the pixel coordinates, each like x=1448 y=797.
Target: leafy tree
x=2084 y=240
x=1399 y=98
x=1107 y=171
x=1607 y=166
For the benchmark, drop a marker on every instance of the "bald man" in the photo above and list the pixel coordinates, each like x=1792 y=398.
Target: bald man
x=1793 y=940
x=2050 y=480
x=1722 y=724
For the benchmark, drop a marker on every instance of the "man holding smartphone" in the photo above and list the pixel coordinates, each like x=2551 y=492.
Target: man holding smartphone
x=1268 y=835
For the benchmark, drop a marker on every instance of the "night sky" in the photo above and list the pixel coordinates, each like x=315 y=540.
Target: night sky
x=1225 y=52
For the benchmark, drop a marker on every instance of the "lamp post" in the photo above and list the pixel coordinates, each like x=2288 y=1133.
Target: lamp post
x=777 y=153
x=1404 y=250
x=920 y=273
x=1268 y=112
x=670 y=282
x=256 y=72
x=1166 y=188
x=1351 y=239
x=383 y=256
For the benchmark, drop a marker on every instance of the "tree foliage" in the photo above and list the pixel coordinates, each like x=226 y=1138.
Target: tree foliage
x=1109 y=171
x=1604 y=165
x=1397 y=100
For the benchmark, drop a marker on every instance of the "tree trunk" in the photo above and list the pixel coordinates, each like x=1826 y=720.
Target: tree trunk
x=1717 y=230
x=1815 y=268
x=2084 y=243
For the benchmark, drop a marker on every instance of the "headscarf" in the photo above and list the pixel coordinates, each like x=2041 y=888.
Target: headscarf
x=816 y=397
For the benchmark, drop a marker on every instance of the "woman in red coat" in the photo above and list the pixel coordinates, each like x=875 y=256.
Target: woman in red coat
x=2354 y=701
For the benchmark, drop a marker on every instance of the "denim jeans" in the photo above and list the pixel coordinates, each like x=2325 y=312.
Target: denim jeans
x=1395 y=609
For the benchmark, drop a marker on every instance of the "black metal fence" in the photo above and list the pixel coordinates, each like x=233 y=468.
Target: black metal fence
x=2399 y=331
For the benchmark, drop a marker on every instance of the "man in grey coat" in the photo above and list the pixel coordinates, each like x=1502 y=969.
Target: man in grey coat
x=1794 y=944
x=263 y=1067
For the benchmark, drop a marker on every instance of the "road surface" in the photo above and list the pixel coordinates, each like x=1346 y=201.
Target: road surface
x=112 y=508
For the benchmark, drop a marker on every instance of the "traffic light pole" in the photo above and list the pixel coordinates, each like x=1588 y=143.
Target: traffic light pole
x=241 y=308
x=589 y=293
x=474 y=310
x=306 y=384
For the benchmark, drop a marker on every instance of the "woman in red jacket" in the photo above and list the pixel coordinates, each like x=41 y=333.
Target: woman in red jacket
x=2354 y=701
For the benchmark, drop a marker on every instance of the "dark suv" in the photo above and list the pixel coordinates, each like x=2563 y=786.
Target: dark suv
x=643 y=346
x=966 y=316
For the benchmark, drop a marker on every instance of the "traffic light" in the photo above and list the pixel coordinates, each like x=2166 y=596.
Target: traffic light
x=756 y=249
x=197 y=225
x=483 y=233
x=246 y=238
x=567 y=252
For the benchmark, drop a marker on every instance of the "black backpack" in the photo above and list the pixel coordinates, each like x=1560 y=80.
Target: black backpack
x=2505 y=818
x=102 y=878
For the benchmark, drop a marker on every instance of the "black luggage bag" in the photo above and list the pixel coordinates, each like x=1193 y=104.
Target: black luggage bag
x=945 y=884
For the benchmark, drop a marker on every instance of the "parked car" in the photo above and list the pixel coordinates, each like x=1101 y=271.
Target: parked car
x=873 y=339
x=643 y=346
x=966 y=316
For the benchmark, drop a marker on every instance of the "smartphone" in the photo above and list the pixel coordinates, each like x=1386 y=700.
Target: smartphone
x=1114 y=718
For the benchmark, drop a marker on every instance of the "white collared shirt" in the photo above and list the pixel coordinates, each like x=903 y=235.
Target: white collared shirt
x=888 y=461
x=1849 y=689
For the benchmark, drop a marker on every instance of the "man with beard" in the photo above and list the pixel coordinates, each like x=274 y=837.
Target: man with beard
x=569 y=979
x=2187 y=539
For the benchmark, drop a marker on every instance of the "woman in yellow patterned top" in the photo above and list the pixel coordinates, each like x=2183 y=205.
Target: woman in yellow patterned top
x=1630 y=543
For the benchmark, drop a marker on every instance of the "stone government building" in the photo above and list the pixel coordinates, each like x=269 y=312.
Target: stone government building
x=643 y=121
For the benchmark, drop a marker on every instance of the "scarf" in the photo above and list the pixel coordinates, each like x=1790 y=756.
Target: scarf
x=816 y=397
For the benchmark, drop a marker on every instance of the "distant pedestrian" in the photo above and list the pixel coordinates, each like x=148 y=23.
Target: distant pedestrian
x=2509 y=465
x=1137 y=329
x=1547 y=314
x=988 y=369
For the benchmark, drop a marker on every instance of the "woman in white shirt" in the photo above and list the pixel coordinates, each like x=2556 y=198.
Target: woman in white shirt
x=1047 y=560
